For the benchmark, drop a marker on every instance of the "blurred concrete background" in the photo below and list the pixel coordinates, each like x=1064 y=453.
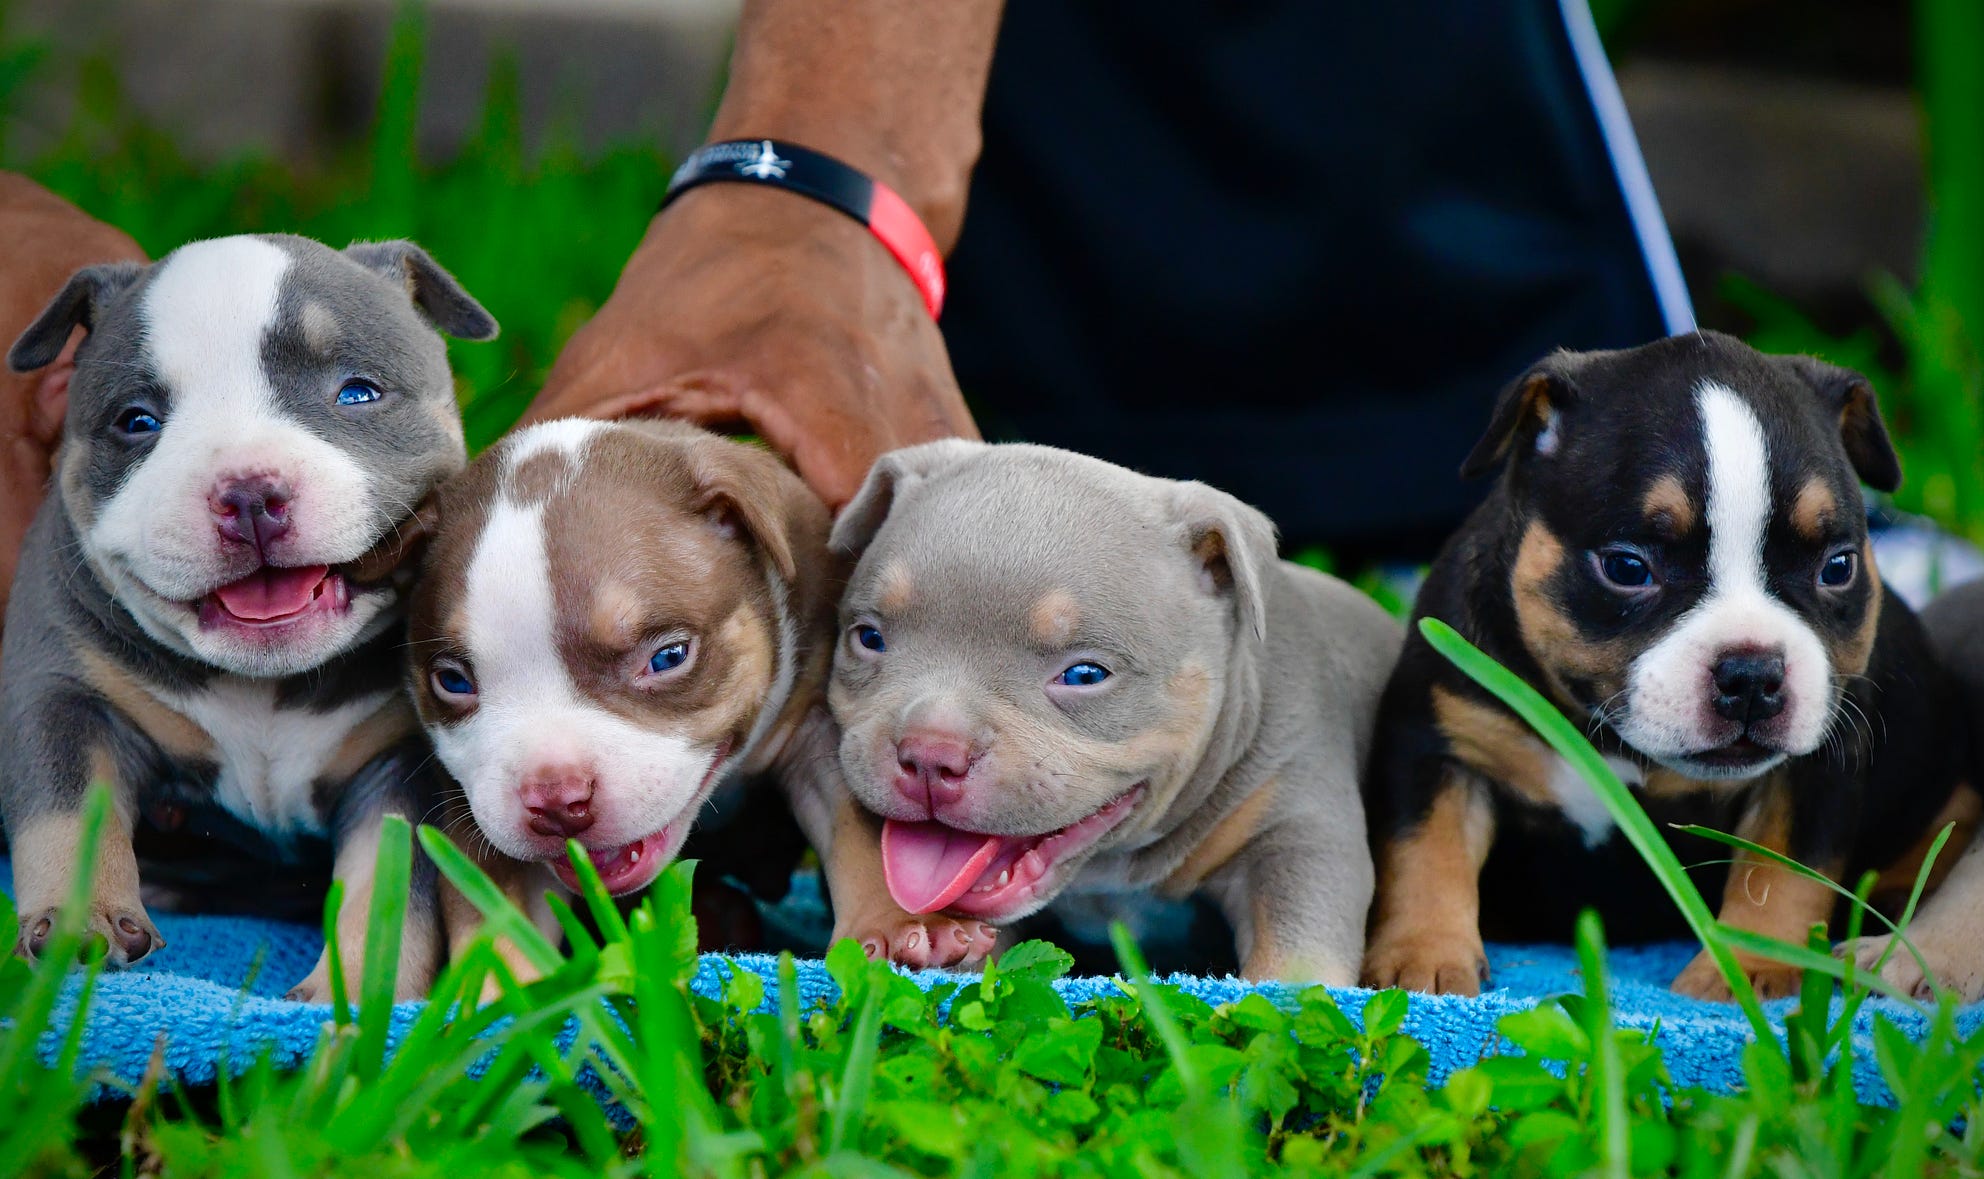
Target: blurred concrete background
x=1780 y=134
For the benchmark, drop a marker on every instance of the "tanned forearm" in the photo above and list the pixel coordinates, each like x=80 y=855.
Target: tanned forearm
x=892 y=87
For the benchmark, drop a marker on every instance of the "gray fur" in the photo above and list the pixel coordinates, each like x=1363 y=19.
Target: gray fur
x=1294 y=663
x=71 y=627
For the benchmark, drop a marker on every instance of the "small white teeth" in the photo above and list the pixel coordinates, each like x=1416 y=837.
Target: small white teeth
x=634 y=856
x=1005 y=874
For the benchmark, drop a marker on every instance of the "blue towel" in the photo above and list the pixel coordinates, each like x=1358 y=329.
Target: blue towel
x=191 y=993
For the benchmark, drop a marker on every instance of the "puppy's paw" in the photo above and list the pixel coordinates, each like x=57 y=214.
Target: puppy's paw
x=315 y=989
x=924 y=941
x=1957 y=967
x=126 y=930
x=1702 y=979
x=1432 y=964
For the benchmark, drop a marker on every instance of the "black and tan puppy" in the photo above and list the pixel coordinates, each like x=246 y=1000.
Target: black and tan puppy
x=1676 y=554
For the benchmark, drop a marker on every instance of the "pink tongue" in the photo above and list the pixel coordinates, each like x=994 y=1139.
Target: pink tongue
x=271 y=593
x=929 y=865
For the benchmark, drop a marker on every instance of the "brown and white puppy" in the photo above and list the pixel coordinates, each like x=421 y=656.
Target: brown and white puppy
x=1059 y=677
x=1948 y=929
x=615 y=622
x=1676 y=555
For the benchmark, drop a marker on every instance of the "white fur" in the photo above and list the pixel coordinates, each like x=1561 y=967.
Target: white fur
x=529 y=715
x=270 y=757
x=567 y=436
x=1668 y=714
x=1580 y=804
x=155 y=541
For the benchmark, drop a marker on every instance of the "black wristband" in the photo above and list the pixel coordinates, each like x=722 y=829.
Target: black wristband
x=781 y=165
x=825 y=179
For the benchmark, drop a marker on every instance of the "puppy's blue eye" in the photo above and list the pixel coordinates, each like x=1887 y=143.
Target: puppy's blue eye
x=870 y=638
x=669 y=658
x=137 y=421
x=453 y=681
x=358 y=393
x=1625 y=569
x=1083 y=675
x=1838 y=571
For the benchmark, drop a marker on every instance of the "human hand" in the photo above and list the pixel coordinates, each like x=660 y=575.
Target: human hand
x=761 y=308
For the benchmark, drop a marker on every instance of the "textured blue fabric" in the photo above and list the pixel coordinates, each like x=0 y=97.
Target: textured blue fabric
x=192 y=994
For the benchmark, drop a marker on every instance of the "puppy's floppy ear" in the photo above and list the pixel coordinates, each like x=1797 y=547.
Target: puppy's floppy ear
x=892 y=474
x=433 y=290
x=746 y=491
x=1234 y=546
x=399 y=551
x=1527 y=409
x=1850 y=397
x=78 y=303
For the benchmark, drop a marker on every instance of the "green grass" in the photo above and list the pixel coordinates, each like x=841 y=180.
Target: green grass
x=611 y=1065
x=1934 y=397
x=991 y=1076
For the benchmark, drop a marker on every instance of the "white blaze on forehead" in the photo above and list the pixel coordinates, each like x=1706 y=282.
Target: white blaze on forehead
x=207 y=311
x=1669 y=711
x=530 y=716
x=566 y=436
x=1739 y=500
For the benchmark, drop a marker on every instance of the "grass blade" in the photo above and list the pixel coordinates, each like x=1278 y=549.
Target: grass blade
x=380 y=973
x=1608 y=1079
x=859 y=1070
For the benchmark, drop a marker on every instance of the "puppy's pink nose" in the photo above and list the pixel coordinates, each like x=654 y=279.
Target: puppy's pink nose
x=559 y=801
x=254 y=510
x=932 y=766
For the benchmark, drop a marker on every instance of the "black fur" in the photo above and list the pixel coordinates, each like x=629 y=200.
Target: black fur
x=1623 y=420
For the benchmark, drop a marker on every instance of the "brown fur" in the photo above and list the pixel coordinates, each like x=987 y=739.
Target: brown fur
x=173 y=732
x=898 y=594
x=1764 y=897
x=1550 y=635
x=1495 y=744
x=1226 y=840
x=1053 y=618
x=1813 y=511
x=1668 y=508
x=1426 y=926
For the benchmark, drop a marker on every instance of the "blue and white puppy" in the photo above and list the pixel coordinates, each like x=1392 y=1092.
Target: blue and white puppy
x=208 y=604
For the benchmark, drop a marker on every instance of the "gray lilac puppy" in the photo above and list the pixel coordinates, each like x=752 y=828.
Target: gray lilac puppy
x=1057 y=676
x=208 y=604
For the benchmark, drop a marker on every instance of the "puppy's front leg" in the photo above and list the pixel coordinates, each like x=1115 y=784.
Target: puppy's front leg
x=1426 y=933
x=385 y=787
x=525 y=886
x=1765 y=898
x=43 y=797
x=1296 y=894
x=1948 y=930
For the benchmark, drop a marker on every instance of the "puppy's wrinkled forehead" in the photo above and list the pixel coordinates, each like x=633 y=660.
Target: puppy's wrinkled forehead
x=237 y=334
x=1729 y=448
x=1038 y=552
x=608 y=525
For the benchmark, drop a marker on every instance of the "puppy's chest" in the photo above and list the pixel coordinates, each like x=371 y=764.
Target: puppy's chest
x=267 y=760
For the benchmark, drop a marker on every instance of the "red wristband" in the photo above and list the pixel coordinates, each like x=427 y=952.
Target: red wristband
x=827 y=180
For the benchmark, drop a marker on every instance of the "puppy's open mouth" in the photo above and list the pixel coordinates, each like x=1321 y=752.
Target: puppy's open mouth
x=627 y=868
x=930 y=866
x=271 y=596
x=631 y=867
